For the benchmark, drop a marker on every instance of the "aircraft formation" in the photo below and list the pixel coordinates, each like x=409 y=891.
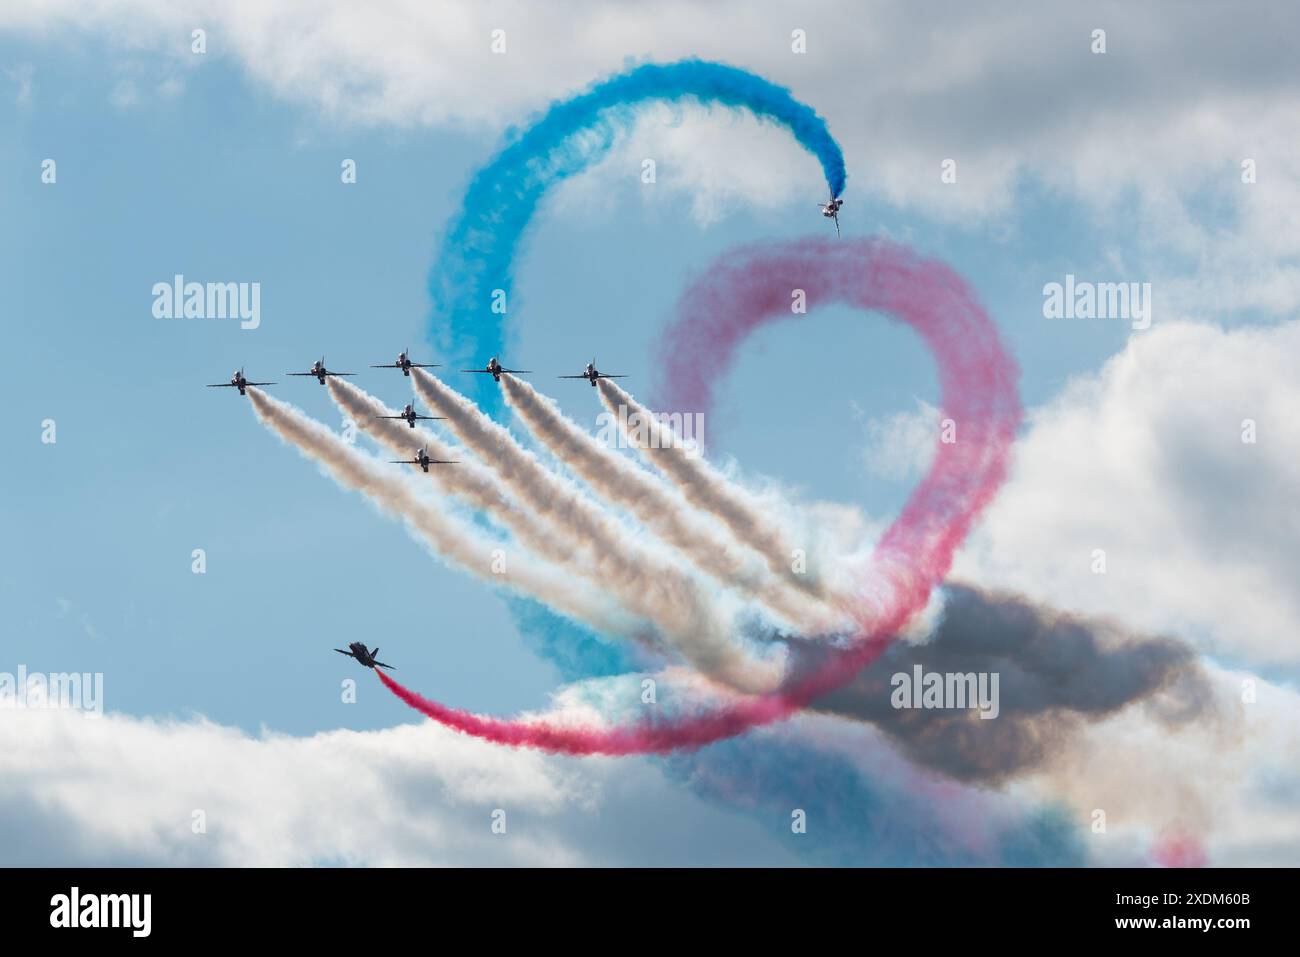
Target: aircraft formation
x=320 y=372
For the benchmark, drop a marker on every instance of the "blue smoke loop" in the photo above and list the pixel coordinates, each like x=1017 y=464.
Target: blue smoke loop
x=480 y=247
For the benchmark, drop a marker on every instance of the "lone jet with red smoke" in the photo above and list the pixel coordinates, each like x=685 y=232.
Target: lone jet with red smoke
x=591 y=374
x=237 y=381
x=367 y=658
x=495 y=369
x=408 y=414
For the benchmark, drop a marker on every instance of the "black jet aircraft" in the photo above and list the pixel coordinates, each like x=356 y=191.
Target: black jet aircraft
x=422 y=459
x=237 y=381
x=319 y=372
x=365 y=657
x=591 y=374
x=831 y=210
x=409 y=416
x=494 y=369
x=406 y=365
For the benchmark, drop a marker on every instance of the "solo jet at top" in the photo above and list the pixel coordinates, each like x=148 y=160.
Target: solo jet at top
x=408 y=415
x=831 y=210
x=237 y=381
x=591 y=374
x=406 y=365
x=494 y=369
x=319 y=372
x=367 y=658
x=422 y=459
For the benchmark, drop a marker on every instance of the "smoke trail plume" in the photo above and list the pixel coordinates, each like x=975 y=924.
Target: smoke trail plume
x=704 y=486
x=871 y=806
x=645 y=584
x=456 y=541
x=1055 y=673
x=478 y=251
x=619 y=481
x=977 y=378
x=470 y=480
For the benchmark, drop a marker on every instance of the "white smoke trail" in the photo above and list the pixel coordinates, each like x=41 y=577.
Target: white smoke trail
x=644 y=583
x=663 y=510
x=473 y=482
x=470 y=480
x=703 y=486
x=456 y=541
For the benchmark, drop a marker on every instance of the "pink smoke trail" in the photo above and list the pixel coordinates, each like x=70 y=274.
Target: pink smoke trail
x=748 y=288
x=1179 y=848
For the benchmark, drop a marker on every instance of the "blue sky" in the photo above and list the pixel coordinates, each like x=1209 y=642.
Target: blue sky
x=222 y=177
x=222 y=184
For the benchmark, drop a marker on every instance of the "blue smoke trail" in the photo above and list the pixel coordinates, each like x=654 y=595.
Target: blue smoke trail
x=858 y=819
x=479 y=248
x=575 y=651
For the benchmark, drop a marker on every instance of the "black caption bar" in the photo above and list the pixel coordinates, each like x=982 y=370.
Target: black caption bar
x=330 y=906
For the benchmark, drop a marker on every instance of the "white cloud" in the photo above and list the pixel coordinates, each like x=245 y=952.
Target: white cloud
x=123 y=790
x=1145 y=460
x=22 y=76
x=124 y=95
x=127 y=789
x=1227 y=780
x=901 y=446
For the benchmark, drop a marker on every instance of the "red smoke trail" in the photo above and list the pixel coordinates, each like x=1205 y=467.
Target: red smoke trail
x=751 y=287
x=1178 y=848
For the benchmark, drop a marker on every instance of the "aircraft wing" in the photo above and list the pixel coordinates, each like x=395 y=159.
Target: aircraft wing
x=222 y=385
x=392 y=417
x=426 y=365
x=342 y=652
x=603 y=376
x=480 y=371
x=259 y=383
x=518 y=371
x=391 y=365
x=571 y=377
x=311 y=374
x=340 y=373
x=380 y=664
x=428 y=417
x=404 y=461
